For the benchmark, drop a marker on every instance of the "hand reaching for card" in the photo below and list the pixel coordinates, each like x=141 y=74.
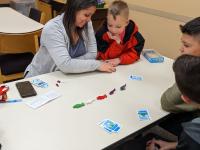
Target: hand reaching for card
x=107 y=67
x=115 y=62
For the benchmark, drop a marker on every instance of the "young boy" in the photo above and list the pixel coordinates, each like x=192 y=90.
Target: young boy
x=118 y=40
x=187 y=75
x=171 y=98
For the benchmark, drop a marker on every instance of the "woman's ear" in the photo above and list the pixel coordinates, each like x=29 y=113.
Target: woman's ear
x=186 y=99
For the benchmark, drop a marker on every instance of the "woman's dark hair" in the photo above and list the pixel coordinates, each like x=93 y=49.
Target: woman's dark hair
x=72 y=7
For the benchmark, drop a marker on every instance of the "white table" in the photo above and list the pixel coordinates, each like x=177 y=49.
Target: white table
x=57 y=126
x=13 y=22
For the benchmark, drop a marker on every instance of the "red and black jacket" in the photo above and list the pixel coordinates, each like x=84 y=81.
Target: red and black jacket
x=128 y=51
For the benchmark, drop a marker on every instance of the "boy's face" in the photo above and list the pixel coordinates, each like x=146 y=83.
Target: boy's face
x=116 y=26
x=190 y=45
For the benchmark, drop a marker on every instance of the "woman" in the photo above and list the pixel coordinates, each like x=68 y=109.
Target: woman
x=68 y=43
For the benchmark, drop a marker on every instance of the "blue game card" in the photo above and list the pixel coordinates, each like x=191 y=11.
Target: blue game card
x=135 y=77
x=143 y=114
x=110 y=126
x=39 y=83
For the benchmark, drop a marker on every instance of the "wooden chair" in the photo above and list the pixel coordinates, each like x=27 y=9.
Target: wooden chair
x=46 y=8
x=4 y=3
x=98 y=18
x=37 y=15
x=16 y=53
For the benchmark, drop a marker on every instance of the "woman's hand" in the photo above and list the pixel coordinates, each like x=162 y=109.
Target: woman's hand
x=107 y=67
x=115 y=62
x=151 y=145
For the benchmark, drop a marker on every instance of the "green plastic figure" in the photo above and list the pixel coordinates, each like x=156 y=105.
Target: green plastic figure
x=79 y=105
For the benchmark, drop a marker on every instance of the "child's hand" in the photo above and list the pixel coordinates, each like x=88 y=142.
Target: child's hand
x=114 y=37
x=151 y=145
x=107 y=67
x=115 y=62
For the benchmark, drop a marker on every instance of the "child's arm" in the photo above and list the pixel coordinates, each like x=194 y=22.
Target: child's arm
x=115 y=62
x=127 y=54
x=133 y=49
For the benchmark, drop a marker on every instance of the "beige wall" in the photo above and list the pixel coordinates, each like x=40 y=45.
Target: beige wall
x=159 y=21
x=181 y=7
x=160 y=34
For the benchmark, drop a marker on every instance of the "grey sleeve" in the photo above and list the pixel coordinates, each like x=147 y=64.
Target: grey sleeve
x=56 y=43
x=171 y=101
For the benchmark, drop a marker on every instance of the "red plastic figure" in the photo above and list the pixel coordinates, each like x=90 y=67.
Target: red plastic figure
x=101 y=97
x=3 y=91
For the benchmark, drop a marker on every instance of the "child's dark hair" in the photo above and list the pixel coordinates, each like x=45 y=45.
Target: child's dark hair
x=192 y=27
x=187 y=75
x=119 y=7
x=72 y=7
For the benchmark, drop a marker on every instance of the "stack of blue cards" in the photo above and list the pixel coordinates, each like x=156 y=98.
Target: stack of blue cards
x=39 y=83
x=110 y=126
x=152 y=56
x=143 y=114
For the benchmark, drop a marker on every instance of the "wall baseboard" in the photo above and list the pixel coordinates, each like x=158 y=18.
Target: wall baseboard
x=159 y=13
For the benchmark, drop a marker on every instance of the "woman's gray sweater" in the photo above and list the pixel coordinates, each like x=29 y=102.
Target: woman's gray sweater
x=54 y=54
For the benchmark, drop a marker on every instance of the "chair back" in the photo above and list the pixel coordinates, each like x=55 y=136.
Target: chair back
x=16 y=53
x=19 y=43
x=99 y=17
x=37 y=15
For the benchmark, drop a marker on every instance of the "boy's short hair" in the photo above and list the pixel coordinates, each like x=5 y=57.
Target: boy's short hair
x=187 y=75
x=192 y=27
x=119 y=7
